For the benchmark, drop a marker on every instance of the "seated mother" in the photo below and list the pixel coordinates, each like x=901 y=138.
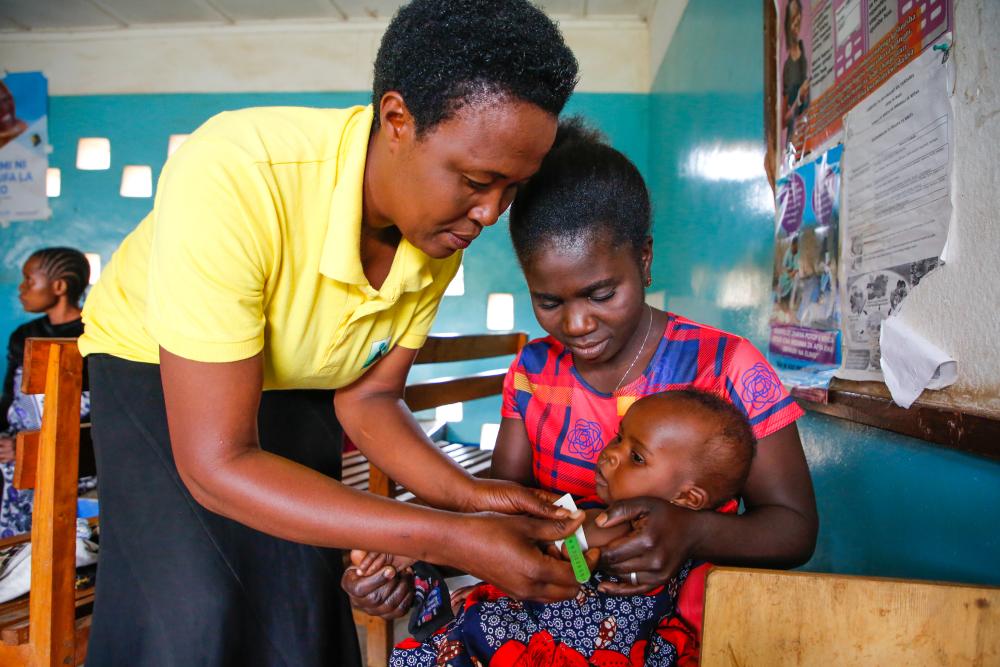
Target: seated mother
x=581 y=230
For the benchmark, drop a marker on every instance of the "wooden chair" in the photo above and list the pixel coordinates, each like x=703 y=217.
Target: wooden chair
x=360 y=474
x=51 y=626
x=772 y=618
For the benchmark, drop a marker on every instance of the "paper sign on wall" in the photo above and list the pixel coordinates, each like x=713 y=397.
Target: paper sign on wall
x=898 y=210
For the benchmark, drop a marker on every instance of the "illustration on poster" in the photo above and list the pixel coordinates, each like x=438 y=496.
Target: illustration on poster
x=11 y=126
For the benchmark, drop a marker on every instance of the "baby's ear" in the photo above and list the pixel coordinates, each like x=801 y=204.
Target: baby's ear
x=692 y=497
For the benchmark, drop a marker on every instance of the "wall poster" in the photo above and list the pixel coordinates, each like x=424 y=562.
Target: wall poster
x=804 y=345
x=834 y=53
x=24 y=146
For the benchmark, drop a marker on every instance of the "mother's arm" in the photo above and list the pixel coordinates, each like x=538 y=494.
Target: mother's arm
x=778 y=528
x=218 y=456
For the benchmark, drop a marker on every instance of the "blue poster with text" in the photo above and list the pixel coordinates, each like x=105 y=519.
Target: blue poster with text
x=24 y=146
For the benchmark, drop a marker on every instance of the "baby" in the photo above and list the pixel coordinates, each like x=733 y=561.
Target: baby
x=687 y=447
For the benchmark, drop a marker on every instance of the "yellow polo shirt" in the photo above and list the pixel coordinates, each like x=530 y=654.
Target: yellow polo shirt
x=253 y=244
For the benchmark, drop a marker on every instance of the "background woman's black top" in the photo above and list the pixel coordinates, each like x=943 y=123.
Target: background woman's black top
x=37 y=328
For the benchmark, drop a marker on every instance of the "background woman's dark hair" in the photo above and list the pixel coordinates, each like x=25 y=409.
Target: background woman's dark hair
x=441 y=55
x=67 y=264
x=583 y=188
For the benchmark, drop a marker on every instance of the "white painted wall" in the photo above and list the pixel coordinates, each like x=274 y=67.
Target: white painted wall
x=957 y=306
x=613 y=55
x=665 y=17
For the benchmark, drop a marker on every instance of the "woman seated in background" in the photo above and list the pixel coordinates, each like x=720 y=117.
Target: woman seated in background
x=54 y=281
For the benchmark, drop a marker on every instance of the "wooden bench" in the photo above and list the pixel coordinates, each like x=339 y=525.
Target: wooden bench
x=424 y=395
x=51 y=625
x=777 y=619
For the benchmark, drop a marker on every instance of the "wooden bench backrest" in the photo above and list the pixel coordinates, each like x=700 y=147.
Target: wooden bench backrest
x=52 y=367
x=443 y=348
x=765 y=617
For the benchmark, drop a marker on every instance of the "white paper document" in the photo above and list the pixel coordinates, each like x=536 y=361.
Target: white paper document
x=897 y=205
x=911 y=363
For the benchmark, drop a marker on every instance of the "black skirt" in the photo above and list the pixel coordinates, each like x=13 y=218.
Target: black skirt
x=178 y=585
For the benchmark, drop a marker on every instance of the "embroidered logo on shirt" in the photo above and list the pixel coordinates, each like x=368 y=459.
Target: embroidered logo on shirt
x=761 y=387
x=585 y=439
x=379 y=350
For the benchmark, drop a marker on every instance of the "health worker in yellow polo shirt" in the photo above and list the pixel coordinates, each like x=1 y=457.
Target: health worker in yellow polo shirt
x=291 y=252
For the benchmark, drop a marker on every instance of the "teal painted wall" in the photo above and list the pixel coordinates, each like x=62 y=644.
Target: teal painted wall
x=889 y=505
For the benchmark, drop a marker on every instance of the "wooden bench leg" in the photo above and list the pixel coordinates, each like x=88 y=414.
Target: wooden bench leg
x=379 y=642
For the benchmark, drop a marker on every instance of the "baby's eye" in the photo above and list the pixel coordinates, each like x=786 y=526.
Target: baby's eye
x=637 y=458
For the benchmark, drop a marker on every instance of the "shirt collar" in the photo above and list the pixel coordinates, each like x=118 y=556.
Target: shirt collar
x=341 y=257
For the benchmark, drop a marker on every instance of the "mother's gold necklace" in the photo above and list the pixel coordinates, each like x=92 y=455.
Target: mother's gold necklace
x=639 y=352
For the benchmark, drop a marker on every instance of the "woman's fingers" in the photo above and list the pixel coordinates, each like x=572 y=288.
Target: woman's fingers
x=507 y=554
x=593 y=557
x=622 y=511
x=512 y=498
x=557 y=529
x=625 y=588
x=378 y=595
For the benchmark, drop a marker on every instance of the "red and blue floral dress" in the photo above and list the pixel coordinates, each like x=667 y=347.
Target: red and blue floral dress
x=568 y=423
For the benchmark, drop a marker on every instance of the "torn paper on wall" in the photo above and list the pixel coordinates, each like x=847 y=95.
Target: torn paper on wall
x=911 y=363
x=897 y=207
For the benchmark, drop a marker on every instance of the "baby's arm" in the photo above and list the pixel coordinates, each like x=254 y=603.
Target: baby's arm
x=598 y=536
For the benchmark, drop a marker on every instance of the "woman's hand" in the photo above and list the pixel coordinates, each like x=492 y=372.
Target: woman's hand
x=495 y=495
x=379 y=584
x=662 y=537
x=504 y=550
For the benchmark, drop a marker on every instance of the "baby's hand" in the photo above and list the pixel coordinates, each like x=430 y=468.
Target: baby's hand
x=458 y=597
x=368 y=563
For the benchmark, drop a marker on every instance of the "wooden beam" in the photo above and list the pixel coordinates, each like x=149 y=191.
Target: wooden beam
x=441 y=348
x=53 y=528
x=869 y=403
x=442 y=391
x=26 y=457
x=772 y=137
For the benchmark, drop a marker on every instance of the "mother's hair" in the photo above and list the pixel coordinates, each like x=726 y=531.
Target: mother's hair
x=442 y=55
x=584 y=189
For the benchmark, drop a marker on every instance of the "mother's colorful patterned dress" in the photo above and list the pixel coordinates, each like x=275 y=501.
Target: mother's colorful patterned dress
x=568 y=423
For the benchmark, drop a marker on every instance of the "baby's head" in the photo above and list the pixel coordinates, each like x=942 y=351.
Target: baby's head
x=688 y=447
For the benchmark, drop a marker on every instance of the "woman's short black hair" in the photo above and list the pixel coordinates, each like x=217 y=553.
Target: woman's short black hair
x=440 y=55
x=583 y=188
x=67 y=264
